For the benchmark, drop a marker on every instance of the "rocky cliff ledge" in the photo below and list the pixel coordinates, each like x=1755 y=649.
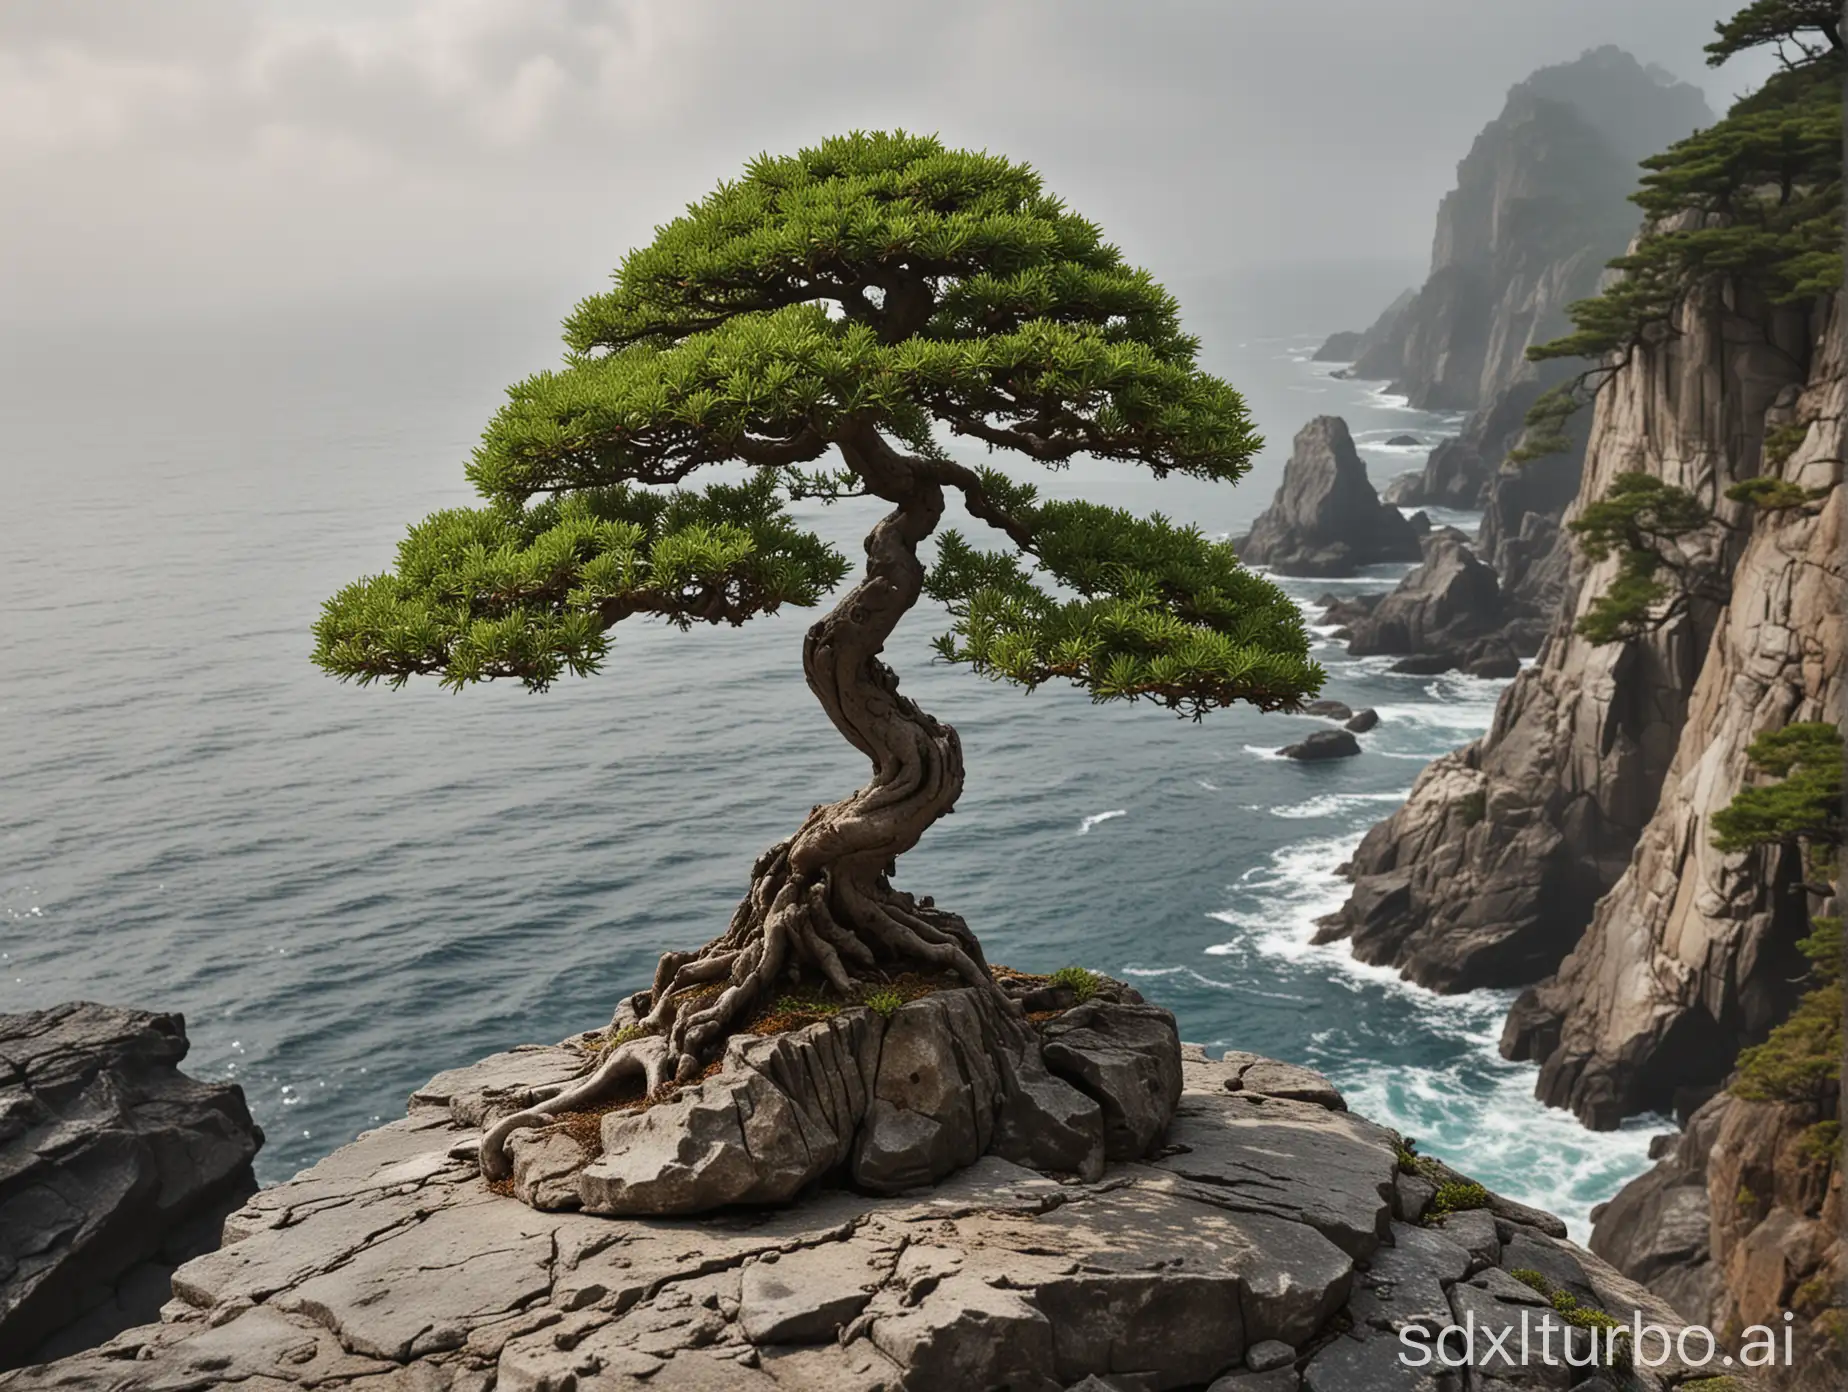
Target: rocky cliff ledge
x=1275 y=1241
x=1742 y=1219
x=114 y=1167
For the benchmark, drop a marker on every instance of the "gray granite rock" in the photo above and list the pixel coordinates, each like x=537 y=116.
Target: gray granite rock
x=1127 y=1058
x=1323 y=744
x=1256 y=1074
x=1474 y=1229
x=933 y=1098
x=390 y=1261
x=114 y=1167
x=1406 y=1282
x=1329 y=710
x=1276 y=1380
x=806 y=1296
x=1267 y=1354
x=1448 y=602
x=1329 y=1170
x=1371 y=1364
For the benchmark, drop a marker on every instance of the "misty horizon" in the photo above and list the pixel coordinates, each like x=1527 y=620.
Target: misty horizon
x=221 y=158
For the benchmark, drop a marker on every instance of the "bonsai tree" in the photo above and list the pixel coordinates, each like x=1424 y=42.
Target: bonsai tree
x=848 y=305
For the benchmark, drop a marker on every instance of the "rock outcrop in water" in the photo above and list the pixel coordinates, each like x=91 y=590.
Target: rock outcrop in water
x=1273 y=1243
x=1451 y=604
x=114 y=1167
x=1326 y=518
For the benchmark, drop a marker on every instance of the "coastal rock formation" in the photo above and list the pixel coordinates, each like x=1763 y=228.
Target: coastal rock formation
x=114 y=1167
x=1488 y=874
x=1738 y=1223
x=1323 y=744
x=1326 y=519
x=1272 y=1243
x=1692 y=954
x=1541 y=204
x=1449 y=604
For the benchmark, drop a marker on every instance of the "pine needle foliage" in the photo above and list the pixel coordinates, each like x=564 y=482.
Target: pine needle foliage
x=876 y=285
x=1642 y=520
x=1801 y=1059
x=1803 y=805
x=1799 y=29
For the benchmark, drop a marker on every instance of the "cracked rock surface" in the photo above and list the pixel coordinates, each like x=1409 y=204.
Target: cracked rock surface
x=1264 y=1244
x=114 y=1167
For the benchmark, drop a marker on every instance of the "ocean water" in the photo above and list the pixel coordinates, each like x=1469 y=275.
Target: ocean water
x=346 y=891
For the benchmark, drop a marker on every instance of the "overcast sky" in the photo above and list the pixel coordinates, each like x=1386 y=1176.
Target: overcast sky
x=164 y=156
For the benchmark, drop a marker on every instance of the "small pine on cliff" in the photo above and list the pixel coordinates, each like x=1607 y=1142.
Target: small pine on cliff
x=1800 y=809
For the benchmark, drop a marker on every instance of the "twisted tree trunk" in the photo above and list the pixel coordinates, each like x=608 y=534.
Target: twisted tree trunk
x=820 y=904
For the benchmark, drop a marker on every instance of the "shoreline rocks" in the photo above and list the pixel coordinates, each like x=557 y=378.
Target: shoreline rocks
x=114 y=1168
x=1272 y=1235
x=1450 y=604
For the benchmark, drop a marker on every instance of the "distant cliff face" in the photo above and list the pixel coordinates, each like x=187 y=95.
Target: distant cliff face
x=1540 y=205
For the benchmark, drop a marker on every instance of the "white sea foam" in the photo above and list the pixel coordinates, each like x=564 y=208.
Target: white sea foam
x=1475 y=715
x=1480 y=1113
x=1333 y=804
x=1263 y=751
x=1474 y=1108
x=1097 y=817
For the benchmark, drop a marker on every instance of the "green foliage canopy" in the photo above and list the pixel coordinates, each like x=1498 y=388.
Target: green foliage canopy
x=1785 y=24
x=1803 y=805
x=878 y=287
x=1642 y=520
x=1801 y=1059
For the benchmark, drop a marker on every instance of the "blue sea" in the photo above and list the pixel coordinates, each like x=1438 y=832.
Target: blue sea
x=345 y=891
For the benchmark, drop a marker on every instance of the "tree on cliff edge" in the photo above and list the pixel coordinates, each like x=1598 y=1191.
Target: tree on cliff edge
x=848 y=302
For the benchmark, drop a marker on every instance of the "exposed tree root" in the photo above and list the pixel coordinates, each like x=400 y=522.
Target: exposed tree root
x=821 y=907
x=789 y=931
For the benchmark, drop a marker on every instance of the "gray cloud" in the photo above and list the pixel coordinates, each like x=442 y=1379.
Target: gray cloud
x=218 y=154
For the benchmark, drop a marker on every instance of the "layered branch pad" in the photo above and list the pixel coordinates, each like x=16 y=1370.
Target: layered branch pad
x=873 y=295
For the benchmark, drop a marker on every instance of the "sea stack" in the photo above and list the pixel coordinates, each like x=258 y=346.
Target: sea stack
x=1326 y=518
